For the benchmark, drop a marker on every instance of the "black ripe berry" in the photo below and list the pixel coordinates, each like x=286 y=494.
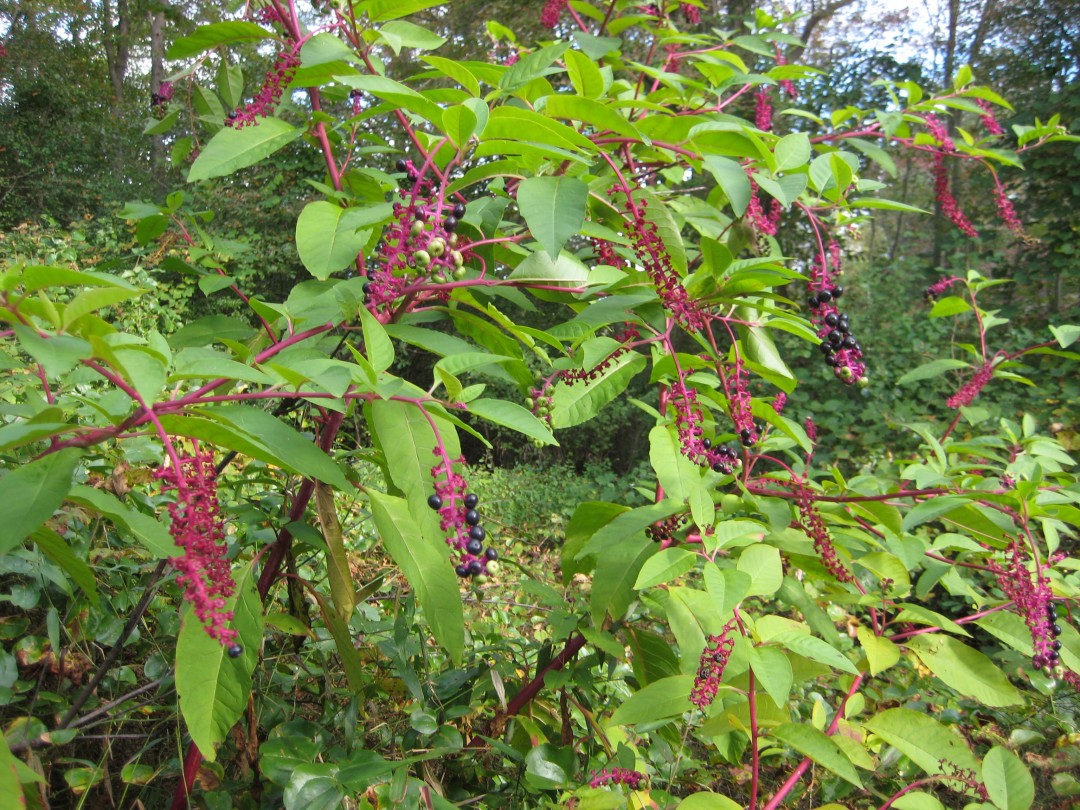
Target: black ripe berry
x=450 y=224
x=402 y=165
x=235 y=651
x=824 y=296
x=472 y=517
x=476 y=568
x=1056 y=645
x=837 y=292
x=474 y=547
x=491 y=555
x=367 y=288
x=831 y=319
x=477 y=533
x=434 y=501
x=849 y=342
x=845 y=322
x=459 y=211
x=835 y=338
x=1055 y=630
x=812 y=302
x=471 y=500
x=462 y=570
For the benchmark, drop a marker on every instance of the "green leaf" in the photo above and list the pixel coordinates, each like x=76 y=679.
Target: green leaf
x=540 y=268
x=10 y=785
x=1066 y=335
x=58 y=354
x=934 y=368
x=532 y=66
x=378 y=348
x=708 y=801
x=553 y=208
x=667 y=697
x=812 y=743
x=924 y=740
x=666 y=565
x=427 y=569
x=32 y=492
x=1008 y=781
x=89 y=301
x=933 y=508
x=772 y=668
x=948 y=306
x=213 y=687
x=677 y=474
x=379 y=10
x=344 y=643
x=328 y=239
x=628 y=525
x=398 y=94
x=966 y=670
x=210 y=36
x=613 y=581
x=731 y=177
x=815 y=649
x=574 y=404
x=598 y=116
x=766 y=572
x=792 y=151
x=886 y=205
x=460 y=123
x=513 y=416
x=584 y=74
x=146 y=529
x=342 y=590
x=57 y=550
x=400 y=34
x=232 y=149
x=880 y=652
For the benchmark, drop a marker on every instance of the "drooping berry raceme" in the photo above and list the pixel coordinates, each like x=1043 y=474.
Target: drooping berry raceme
x=1006 y=210
x=420 y=244
x=989 y=121
x=460 y=519
x=635 y=780
x=839 y=346
x=970 y=389
x=625 y=337
x=714 y=659
x=814 y=527
x=1031 y=595
x=197 y=528
x=763 y=223
x=273 y=86
x=663 y=531
x=762 y=110
x=940 y=133
x=552 y=11
x=779 y=402
x=735 y=384
x=720 y=458
x=691 y=13
x=949 y=206
x=654 y=258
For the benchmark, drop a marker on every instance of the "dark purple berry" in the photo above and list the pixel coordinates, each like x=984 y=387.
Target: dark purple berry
x=849 y=342
x=1055 y=630
x=825 y=347
x=366 y=288
x=459 y=211
x=462 y=570
x=1056 y=645
x=844 y=322
x=837 y=292
x=824 y=296
x=706 y=443
x=474 y=547
x=402 y=165
x=450 y=224
x=235 y=651
x=471 y=500
x=812 y=302
x=1038 y=661
x=477 y=533
x=491 y=555
x=476 y=568
x=434 y=501
x=831 y=319
x=472 y=517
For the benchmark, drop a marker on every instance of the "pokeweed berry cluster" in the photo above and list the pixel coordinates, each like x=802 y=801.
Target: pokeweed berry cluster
x=714 y=660
x=421 y=243
x=721 y=458
x=1033 y=600
x=459 y=518
x=635 y=780
x=841 y=349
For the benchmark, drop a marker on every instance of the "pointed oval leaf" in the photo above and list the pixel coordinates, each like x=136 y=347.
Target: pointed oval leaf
x=231 y=149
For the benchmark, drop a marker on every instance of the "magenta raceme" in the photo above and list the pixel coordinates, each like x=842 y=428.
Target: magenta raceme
x=839 y=346
x=635 y=780
x=266 y=100
x=811 y=523
x=711 y=666
x=460 y=520
x=204 y=571
x=940 y=287
x=695 y=446
x=1030 y=593
x=970 y=389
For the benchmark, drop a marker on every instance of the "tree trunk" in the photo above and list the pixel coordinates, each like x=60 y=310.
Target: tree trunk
x=116 y=37
x=157 y=73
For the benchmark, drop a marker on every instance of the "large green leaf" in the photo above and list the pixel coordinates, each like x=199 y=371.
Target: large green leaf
x=966 y=670
x=574 y=404
x=9 y=777
x=613 y=582
x=426 y=567
x=513 y=416
x=810 y=742
x=667 y=697
x=1008 y=781
x=880 y=652
x=669 y=564
x=553 y=208
x=57 y=550
x=924 y=740
x=708 y=801
x=232 y=149
x=762 y=563
x=731 y=177
x=32 y=492
x=342 y=590
x=146 y=529
x=815 y=649
x=210 y=36
x=598 y=116
x=328 y=238
x=212 y=686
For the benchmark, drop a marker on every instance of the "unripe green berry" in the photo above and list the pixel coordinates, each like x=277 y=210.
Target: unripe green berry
x=437 y=247
x=459 y=273
x=863 y=382
x=453 y=240
x=530 y=403
x=422 y=258
x=439 y=278
x=457 y=258
x=480 y=579
x=417 y=228
x=493 y=567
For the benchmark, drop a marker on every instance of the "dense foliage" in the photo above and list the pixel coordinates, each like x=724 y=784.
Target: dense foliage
x=256 y=551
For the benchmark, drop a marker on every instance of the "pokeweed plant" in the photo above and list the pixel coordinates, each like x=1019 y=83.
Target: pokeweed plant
x=758 y=618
